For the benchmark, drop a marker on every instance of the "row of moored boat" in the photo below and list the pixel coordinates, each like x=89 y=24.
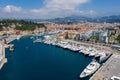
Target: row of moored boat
x=90 y=51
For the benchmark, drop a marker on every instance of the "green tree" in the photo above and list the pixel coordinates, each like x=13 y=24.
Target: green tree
x=20 y=24
x=118 y=38
x=66 y=35
x=94 y=38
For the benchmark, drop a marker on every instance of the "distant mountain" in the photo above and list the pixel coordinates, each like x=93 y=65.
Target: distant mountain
x=70 y=20
x=110 y=19
x=77 y=19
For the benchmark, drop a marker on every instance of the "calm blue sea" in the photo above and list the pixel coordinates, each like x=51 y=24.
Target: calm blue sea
x=38 y=61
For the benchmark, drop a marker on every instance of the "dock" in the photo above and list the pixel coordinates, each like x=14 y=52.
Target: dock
x=38 y=40
x=3 y=60
x=8 y=39
x=108 y=69
x=11 y=38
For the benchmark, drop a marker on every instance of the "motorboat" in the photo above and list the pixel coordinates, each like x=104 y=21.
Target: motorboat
x=90 y=69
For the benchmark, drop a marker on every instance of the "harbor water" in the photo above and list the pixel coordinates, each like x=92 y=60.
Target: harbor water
x=38 y=61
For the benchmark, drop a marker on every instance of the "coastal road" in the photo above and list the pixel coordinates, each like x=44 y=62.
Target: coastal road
x=101 y=47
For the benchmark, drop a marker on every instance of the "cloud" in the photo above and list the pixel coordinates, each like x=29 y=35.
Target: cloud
x=11 y=8
x=64 y=4
x=51 y=9
x=59 y=8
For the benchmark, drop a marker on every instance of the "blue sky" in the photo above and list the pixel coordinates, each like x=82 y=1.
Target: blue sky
x=44 y=9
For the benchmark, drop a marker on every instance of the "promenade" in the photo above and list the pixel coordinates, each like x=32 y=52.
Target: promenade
x=98 y=46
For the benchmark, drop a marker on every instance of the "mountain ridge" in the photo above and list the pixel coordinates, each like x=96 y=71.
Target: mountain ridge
x=77 y=19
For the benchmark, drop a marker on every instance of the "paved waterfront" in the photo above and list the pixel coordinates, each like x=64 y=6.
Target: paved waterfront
x=9 y=39
x=109 y=69
x=99 y=46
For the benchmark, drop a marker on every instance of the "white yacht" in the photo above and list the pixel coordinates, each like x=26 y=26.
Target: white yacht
x=90 y=69
x=65 y=46
x=104 y=57
x=86 y=52
x=75 y=48
x=18 y=37
x=93 y=53
x=115 y=78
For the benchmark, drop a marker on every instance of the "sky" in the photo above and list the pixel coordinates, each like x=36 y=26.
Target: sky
x=47 y=9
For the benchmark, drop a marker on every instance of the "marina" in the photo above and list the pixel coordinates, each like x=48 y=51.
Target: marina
x=72 y=47
x=44 y=62
x=101 y=52
x=59 y=40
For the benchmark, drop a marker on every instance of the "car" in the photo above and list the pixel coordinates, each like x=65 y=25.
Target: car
x=115 y=78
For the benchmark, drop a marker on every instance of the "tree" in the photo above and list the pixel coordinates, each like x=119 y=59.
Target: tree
x=20 y=24
x=94 y=38
x=118 y=38
x=66 y=35
x=1 y=28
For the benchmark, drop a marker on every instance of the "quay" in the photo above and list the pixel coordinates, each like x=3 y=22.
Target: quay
x=3 y=60
x=109 y=69
x=9 y=39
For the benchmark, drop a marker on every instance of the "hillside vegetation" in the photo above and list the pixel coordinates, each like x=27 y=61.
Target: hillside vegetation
x=19 y=25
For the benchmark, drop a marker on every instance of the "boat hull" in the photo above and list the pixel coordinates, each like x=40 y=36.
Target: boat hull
x=89 y=70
